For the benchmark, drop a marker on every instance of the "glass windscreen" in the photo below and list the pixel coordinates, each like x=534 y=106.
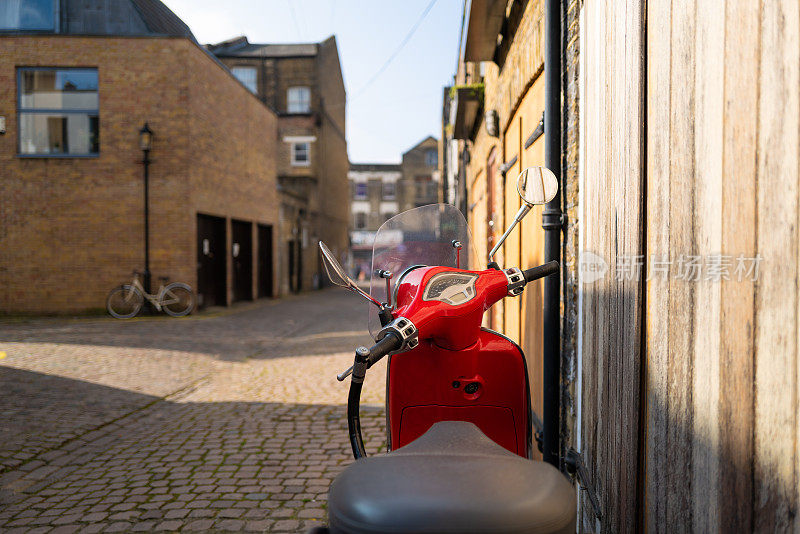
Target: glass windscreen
x=421 y=236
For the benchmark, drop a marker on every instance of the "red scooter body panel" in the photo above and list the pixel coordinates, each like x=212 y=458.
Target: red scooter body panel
x=430 y=384
x=449 y=326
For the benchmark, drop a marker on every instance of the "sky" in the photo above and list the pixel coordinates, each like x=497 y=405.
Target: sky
x=387 y=114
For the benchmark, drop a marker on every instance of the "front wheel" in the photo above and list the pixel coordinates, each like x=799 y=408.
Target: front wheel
x=178 y=299
x=124 y=302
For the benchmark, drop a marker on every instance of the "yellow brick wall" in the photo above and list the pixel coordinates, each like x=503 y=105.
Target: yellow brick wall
x=72 y=228
x=516 y=91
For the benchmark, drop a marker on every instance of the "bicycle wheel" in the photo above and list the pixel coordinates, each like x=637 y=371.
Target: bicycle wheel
x=124 y=302
x=178 y=299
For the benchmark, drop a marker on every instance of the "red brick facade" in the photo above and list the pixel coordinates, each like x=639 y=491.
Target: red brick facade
x=72 y=228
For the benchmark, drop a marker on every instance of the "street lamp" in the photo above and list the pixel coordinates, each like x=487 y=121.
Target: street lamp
x=146 y=143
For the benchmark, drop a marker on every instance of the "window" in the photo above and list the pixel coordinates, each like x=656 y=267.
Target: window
x=298 y=100
x=300 y=154
x=388 y=190
x=58 y=112
x=421 y=186
x=361 y=220
x=431 y=158
x=387 y=216
x=246 y=75
x=361 y=190
x=28 y=15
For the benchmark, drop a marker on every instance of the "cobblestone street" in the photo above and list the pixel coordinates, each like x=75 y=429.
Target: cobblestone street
x=224 y=421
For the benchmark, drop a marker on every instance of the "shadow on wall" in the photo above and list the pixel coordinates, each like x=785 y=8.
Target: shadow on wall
x=661 y=459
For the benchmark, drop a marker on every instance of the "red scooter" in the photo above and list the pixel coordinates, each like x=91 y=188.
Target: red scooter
x=458 y=411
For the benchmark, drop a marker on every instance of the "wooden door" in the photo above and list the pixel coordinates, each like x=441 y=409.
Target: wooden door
x=264 y=260
x=242 y=260
x=211 y=283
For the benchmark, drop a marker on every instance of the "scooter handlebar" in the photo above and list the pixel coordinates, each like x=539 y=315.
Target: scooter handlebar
x=389 y=343
x=534 y=273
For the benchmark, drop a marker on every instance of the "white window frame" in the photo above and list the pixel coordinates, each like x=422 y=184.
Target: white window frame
x=302 y=96
x=253 y=70
x=294 y=148
x=295 y=140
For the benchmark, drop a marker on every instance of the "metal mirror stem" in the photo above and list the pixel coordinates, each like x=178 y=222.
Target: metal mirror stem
x=387 y=275
x=355 y=289
x=338 y=276
x=458 y=246
x=523 y=211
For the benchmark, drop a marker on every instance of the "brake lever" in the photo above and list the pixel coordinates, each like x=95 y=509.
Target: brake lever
x=370 y=361
x=344 y=374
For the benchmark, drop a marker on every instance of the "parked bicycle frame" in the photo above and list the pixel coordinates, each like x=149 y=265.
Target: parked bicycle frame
x=176 y=299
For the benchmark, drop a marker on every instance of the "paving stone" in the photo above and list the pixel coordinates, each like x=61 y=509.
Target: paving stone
x=257 y=526
x=253 y=445
x=119 y=526
x=200 y=524
x=169 y=525
x=286 y=526
x=231 y=525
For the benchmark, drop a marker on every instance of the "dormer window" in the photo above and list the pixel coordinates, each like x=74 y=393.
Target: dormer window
x=298 y=100
x=33 y=15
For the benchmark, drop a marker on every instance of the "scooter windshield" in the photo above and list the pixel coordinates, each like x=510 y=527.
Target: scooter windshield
x=418 y=237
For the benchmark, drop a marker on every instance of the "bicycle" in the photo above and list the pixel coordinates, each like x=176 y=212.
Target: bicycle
x=176 y=299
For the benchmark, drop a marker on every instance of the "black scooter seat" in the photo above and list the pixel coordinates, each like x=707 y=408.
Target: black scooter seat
x=451 y=479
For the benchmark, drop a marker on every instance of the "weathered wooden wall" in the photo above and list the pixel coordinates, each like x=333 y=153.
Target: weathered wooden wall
x=690 y=165
x=722 y=183
x=611 y=198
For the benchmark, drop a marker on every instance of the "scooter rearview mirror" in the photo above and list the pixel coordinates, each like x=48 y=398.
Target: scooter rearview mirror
x=335 y=271
x=338 y=276
x=537 y=185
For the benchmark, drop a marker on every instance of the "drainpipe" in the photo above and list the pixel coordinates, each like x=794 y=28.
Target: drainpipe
x=552 y=224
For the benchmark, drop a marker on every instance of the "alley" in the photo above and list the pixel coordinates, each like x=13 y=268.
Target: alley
x=223 y=421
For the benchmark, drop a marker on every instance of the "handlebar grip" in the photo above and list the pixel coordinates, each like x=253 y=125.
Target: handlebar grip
x=390 y=342
x=534 y=273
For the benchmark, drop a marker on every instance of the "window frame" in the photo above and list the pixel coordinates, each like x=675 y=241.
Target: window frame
x=393 y=187
x=295 y=162
x=254 y=70
x=356 y=195
x=288 y=100
x=435 y=157
x=44 y=111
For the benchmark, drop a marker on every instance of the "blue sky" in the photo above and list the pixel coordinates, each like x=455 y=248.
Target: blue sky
x=401 y=106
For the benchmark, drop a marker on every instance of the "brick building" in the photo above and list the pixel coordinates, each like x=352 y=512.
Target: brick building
x=420 y=183
x=374 y=187
x=382 y=190
x=303 y=82
x=77 y=82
